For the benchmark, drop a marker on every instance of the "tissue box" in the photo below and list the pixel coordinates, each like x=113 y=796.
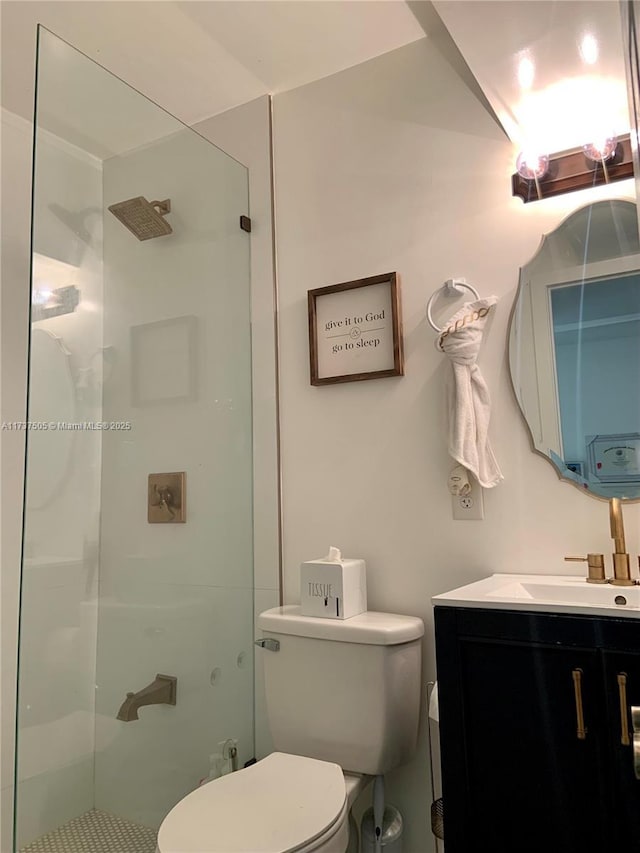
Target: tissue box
x=333 y=587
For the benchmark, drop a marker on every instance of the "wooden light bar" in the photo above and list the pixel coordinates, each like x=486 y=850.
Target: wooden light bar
x=574 y=171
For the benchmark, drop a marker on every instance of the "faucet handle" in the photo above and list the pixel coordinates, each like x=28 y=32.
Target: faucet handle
x=595 y=566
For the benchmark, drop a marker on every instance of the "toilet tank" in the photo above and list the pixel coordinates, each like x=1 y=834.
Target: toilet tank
x=344 y=691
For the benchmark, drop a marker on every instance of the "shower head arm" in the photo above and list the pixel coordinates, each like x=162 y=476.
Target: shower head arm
x=162 y=206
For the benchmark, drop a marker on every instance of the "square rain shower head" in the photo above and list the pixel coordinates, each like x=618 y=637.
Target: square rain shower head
x=145 y=219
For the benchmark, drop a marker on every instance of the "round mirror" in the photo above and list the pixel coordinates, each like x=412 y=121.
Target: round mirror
x=574 y=349
x=52 y=400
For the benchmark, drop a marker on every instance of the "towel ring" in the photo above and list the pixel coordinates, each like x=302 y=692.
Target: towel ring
x=450 y=287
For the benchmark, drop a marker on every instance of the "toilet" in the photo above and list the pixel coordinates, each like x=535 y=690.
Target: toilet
x=343 y=703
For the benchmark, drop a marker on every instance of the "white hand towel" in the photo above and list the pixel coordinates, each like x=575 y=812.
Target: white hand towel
x=468 y=402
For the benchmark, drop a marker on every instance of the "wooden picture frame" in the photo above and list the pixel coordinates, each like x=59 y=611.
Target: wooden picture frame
x=355 y=330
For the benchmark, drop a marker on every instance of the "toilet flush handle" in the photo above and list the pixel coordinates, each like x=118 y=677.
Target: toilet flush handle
x=268 y=643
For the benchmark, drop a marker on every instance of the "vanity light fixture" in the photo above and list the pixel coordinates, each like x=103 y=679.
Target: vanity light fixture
x=600 y=162
x=601 y=152
x=532 y=167
x=43 y=297
x=589 y=49
x=526 y=72
x=47 y=303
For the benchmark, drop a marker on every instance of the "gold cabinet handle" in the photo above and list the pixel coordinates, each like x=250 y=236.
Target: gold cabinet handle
x=635 y=722
x=581 y=731
x=624 y=718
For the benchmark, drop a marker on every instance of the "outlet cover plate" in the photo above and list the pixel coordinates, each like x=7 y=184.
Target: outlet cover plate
x=469 y=507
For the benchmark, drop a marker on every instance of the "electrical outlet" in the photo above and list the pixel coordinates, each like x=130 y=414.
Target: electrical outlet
x=468 y=507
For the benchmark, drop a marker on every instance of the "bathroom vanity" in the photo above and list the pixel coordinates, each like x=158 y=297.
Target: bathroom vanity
x=535 y=716
x=539 y=676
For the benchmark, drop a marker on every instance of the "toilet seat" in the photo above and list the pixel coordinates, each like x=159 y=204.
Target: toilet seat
x=282 y=804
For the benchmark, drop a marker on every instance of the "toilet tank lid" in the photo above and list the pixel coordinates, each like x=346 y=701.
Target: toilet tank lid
x=369 y=628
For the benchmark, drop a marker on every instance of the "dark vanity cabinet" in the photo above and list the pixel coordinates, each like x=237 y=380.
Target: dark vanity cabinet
x=534 y=713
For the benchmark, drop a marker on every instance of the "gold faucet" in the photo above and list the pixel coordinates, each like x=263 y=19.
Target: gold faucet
x=595 y=562
x=162 y=691
x=621 y=567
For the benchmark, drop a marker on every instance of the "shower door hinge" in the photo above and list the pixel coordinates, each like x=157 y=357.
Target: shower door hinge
x=245 y=223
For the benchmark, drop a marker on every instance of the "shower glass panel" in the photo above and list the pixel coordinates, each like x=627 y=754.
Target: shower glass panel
x=140 y=363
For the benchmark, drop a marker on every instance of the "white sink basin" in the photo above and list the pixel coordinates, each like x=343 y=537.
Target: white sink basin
x=549 y=593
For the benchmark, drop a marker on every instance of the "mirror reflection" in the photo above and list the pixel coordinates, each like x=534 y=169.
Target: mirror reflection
x=574 y=349
x=53 y=401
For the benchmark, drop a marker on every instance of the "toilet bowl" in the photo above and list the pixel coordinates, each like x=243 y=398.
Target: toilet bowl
x=282 y=804
x=339 y=694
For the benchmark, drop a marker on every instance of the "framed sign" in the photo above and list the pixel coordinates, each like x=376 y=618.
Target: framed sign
x=355 y=330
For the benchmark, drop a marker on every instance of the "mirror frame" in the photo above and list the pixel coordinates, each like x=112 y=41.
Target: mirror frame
x=561 y=275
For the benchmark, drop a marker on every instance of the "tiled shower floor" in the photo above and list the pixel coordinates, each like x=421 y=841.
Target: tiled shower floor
x=96 y=832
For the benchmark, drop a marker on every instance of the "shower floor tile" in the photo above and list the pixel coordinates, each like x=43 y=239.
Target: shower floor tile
x=96 y=832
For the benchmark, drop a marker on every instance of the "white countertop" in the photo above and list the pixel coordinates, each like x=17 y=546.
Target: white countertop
x=546 y=594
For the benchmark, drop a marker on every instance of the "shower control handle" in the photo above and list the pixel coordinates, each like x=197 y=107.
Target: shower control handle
x=268 y=643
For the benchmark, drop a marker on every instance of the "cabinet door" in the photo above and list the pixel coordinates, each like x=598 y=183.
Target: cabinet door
x=622 y=687
x=533 y=778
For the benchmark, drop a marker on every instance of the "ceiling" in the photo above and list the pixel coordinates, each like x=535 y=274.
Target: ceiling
x=553 y=72
x=197 y=59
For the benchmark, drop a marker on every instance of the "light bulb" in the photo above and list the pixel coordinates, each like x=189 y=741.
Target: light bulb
x=603 y=149
x=526 y=72
x=532 y=166
x=41 y=297
x=589 y=49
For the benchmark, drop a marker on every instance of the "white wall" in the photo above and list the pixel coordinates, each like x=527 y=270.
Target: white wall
x=392 y=165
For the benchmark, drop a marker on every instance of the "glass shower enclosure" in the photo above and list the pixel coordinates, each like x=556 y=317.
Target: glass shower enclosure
x=136 y=626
